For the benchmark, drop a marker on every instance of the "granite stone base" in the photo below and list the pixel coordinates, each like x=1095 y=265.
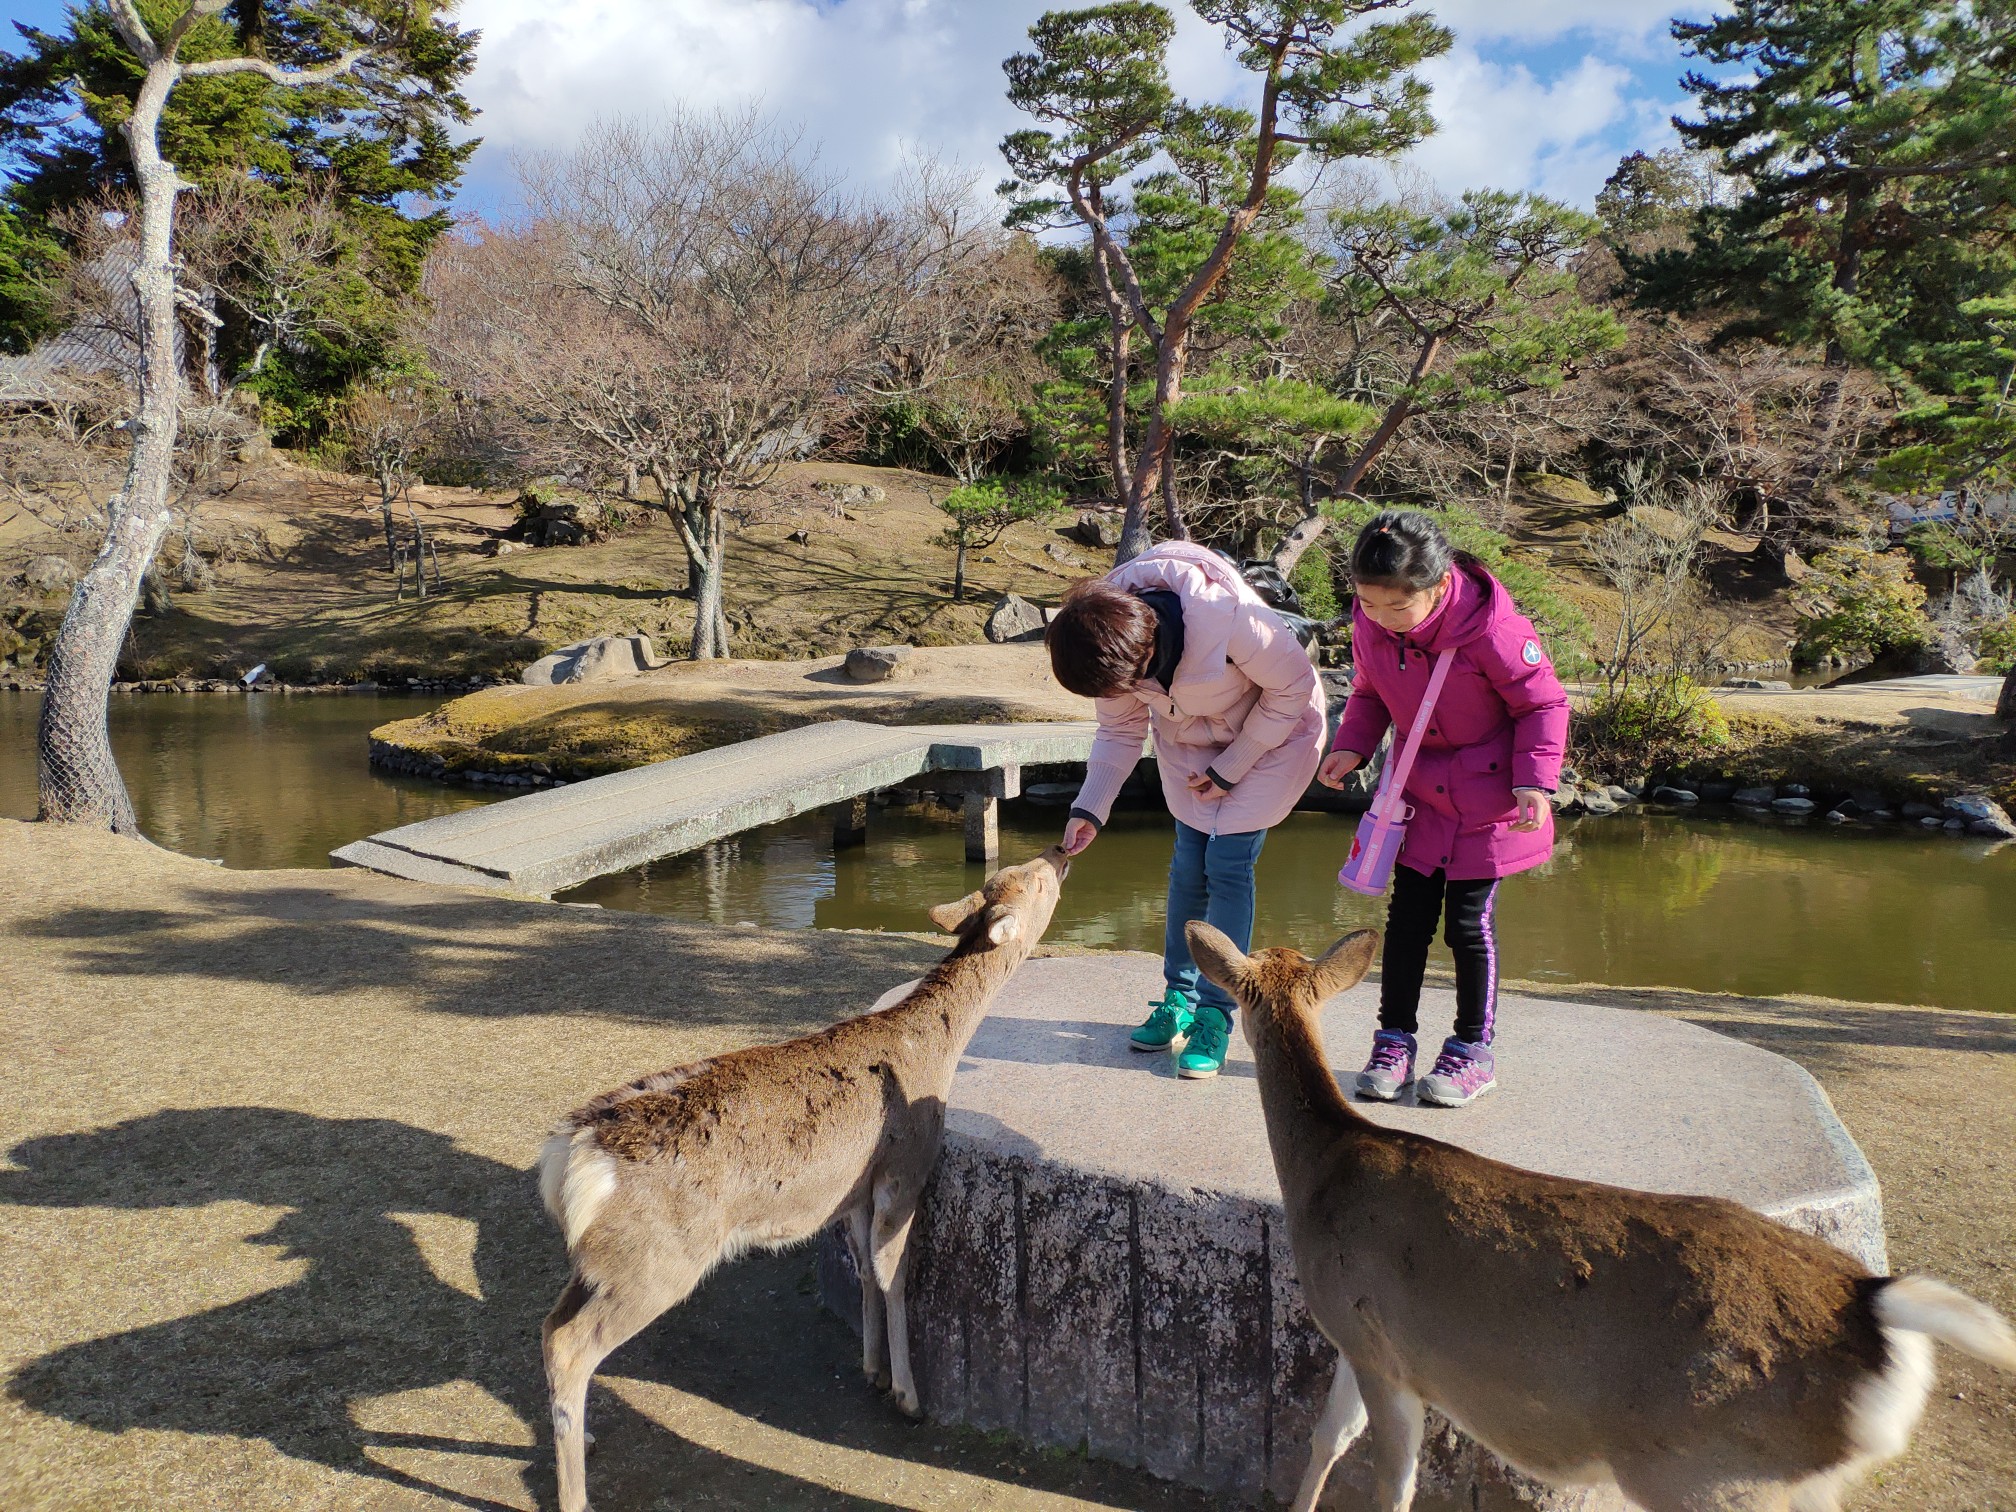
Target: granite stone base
x=1101 y=1261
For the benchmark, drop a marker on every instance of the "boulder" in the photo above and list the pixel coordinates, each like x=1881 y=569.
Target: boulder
x=1057 y=551
x=1598 y=803
x=1717 y=791
x=1050 y=794
x=1945 y=653
x=603 y=659
x=1797 y=790
x=1565 y=797
x=1759 y=684
x=1920 y=811
x=1621 y=796
x=1982 y=814
x=876 y=663
x=1678 y=795
x=2005 y=702
x=1097 y=529
x=49 y=574
x=1014 y=618
x=1794 y=805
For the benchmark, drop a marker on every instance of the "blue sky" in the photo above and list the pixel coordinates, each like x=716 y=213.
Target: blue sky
x=1537 y=94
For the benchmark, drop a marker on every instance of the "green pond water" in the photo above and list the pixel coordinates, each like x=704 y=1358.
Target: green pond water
x=1715 y=902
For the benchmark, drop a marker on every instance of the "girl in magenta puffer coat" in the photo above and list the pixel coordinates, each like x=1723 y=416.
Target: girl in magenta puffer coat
x=1479 y=788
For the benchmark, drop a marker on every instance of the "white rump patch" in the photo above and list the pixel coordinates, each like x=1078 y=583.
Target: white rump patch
x=576 y=1176
x=1884 y=1409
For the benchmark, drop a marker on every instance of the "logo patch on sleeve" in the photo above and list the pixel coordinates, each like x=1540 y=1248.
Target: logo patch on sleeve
x=1531 y=653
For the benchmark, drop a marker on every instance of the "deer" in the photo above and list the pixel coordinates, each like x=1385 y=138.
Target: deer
x=1696 y=1354
x=659 y=1181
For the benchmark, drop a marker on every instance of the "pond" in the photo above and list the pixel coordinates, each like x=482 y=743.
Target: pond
x=1714 y=902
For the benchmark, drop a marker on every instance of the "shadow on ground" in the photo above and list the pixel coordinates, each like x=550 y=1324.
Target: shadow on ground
x=371 y=1316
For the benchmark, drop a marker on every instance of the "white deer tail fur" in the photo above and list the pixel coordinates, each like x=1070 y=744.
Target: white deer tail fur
x=1925 y=1306
x=576 y=1176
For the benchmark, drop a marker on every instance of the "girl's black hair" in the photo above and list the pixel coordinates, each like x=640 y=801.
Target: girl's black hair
x=1402 y=548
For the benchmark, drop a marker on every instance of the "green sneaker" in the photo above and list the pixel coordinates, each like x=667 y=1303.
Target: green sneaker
x=1167 y=1024
x=1204 y=1055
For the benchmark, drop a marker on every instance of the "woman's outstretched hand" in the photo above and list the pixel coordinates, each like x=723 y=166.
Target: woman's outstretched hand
x=1532 y=808
x=1337 y=766
x=1078 y=833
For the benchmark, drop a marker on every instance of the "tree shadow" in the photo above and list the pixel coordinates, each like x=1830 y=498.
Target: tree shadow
x=483 y=958
x=302 y=1366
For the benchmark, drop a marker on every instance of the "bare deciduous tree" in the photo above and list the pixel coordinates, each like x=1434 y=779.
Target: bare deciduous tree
x=690 y=301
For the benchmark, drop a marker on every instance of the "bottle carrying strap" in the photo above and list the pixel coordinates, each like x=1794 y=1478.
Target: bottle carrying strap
x=1394 y=778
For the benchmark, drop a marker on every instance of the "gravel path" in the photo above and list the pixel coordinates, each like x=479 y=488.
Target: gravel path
x=271 y=1240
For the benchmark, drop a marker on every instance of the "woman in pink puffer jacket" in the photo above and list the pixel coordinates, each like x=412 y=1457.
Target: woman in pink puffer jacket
x=1491 y=755
x=1177 y=642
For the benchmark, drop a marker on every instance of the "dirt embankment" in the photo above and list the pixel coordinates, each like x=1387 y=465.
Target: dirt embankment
x=301 y=580
x=272 y=1238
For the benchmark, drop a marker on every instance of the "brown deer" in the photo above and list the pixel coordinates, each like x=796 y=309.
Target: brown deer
x=1702 y=1357
x=659 y=1181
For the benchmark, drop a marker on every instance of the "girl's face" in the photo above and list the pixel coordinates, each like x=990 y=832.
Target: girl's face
x=1398 y=610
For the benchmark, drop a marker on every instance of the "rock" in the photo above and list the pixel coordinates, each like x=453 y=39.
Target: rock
x=1621 y=796
x=1558 y=488
x=49 y=574
x=1678 y=795
x=1014 y=618
x=1946 y=653
x=1097 y=529
x=1932 y=821
x=1050 y=794
x=1759 y=684
x=1797 y=790
x=1868 y=800
x=1597 y=803
x=1983 y=815
x=600 y=660
x=1794 y=805
x=1564 y=797
x=498 y=547
x=1955 y=826
x=1920 y=811
x=1057 y=551
x=1837 y=816
x=2005 y=701
x=1717 y=791
x=876 y=663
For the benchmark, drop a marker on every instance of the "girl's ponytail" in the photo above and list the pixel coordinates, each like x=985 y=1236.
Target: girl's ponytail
x=1402 y=549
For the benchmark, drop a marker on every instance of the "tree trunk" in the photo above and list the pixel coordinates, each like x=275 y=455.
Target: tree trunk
x=1302 y=535
x=704 y=532
x=77 y=779
x=2005 y=705
x=959 y=573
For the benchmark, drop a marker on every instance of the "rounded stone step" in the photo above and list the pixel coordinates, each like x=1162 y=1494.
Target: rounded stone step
x=1101 y=1259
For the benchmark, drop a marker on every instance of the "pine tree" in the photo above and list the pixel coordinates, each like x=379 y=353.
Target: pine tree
x=1877 y=139
x=372 y=142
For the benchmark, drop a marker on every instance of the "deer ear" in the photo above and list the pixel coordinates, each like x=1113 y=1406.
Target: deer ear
x=1002 y=925
x=1344 y=964
x=1216 y=956
x=952 y=917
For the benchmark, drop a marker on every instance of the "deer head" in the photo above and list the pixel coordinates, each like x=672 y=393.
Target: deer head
x=1013 y=904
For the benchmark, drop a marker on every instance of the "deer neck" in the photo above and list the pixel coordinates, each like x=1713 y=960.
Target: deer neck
x=1306 y=1111
x=948 y=1005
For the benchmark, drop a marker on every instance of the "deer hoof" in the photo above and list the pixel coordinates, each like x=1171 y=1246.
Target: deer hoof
x=879 y=1379
x=911 y=1408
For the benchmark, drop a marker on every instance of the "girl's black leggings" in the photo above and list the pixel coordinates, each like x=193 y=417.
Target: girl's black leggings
x=1466 y=907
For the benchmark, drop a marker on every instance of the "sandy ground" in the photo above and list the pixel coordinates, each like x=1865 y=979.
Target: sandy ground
x=271 y=1239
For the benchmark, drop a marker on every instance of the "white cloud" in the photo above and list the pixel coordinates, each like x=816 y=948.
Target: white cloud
x=868 y=79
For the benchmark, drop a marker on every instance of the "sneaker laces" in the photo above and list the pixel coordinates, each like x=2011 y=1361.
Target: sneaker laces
x=1388 y=1054
x=1456 y=1065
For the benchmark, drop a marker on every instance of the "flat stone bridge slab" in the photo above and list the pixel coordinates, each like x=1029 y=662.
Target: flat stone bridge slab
x=1102 y=1260
x=561 y=837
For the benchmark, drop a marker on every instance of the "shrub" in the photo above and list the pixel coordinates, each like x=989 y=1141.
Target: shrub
x=1650 y=724
x=1860 y=602
x=1998 y=646
x=1314 y=585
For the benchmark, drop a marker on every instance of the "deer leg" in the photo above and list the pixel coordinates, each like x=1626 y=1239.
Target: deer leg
x=874 y=1330
x=894 y=1210
x=591 y=1319
x=1396 y=1419
x=1343 y=1420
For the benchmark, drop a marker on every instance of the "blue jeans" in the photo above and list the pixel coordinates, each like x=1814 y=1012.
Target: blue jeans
x=1210 y=878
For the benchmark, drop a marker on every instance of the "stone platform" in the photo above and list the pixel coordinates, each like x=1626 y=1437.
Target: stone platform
x=1101 y=1260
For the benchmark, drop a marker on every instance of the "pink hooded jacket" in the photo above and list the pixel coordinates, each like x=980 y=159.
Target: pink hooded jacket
x=1500 y=723
x=1244 y=701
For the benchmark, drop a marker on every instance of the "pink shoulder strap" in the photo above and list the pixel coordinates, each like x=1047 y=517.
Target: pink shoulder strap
x=1395 y=776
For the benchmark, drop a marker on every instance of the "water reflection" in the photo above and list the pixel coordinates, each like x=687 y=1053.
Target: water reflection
x=1722 y=902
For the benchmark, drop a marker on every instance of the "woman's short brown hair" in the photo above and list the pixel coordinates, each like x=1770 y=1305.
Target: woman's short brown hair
x=1101 y=639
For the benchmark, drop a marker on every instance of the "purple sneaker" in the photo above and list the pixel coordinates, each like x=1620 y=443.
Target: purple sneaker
x=1463 y=1073
x=1386 y=1075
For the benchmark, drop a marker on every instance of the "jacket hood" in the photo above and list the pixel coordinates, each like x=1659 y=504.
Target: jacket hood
x=1474 y=606
x=1211 y=589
